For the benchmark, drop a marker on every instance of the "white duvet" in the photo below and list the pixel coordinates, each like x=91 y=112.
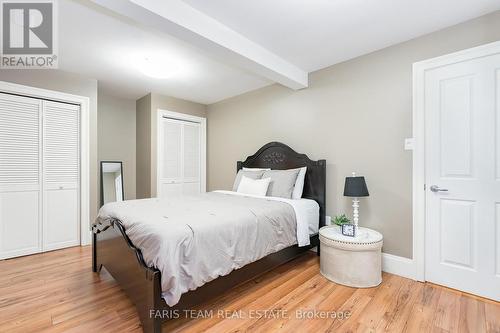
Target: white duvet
x=306 y=214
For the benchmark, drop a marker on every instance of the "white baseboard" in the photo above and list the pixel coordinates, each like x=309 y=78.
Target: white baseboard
x=398 y=265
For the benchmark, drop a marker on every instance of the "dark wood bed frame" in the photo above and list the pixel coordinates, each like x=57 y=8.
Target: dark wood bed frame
x=114 y=250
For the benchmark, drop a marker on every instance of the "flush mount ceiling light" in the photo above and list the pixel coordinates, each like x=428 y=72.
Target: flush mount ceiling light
x=159 y=67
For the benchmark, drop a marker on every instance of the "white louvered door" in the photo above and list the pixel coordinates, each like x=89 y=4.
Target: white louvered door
x=61 y=227
x=170 y=159
x=39 y=175
x=191 y=158
x=180 y=156
x=20 y=183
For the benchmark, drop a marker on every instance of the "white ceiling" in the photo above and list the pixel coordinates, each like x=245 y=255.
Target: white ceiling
x=95 y=43
x=311 y=34
x=315 y=34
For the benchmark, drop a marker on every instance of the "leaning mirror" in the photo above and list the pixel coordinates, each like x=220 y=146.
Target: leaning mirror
x=111 y=182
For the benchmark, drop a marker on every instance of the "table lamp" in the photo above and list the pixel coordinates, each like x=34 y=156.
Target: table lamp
x=355 y=187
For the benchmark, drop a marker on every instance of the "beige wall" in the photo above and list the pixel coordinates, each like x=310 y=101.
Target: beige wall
x=71 y=84
x=143 y=141
x=355 y=115
x=147 y=119
x=116 y=135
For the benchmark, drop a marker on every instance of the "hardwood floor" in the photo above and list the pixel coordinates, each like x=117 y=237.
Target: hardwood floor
x=57 y=292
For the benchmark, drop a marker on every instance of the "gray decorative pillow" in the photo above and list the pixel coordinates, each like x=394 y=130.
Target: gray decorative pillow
x=254 y=174
x=282 y=182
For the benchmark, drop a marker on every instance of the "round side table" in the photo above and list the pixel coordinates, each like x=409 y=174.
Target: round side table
x=351 y=261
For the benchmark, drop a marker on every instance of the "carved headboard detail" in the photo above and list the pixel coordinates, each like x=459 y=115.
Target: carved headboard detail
x=276 y=155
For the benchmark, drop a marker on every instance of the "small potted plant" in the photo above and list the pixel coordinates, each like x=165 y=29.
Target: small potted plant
x=340 y=219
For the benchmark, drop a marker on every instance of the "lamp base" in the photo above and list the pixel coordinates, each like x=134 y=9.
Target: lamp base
x=355 y=212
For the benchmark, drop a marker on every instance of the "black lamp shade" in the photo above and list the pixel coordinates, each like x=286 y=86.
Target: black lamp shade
x=355 y=187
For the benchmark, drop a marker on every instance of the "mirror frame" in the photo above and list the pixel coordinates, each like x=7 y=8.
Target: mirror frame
x=102 y=183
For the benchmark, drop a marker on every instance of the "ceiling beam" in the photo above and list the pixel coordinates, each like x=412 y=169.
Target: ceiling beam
x=184 y=22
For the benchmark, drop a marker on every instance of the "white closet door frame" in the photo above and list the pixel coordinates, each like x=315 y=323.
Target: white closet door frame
x=17 y=89
x=203 y=141
x=419 y=192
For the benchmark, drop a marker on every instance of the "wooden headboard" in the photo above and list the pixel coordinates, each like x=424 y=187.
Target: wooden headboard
x=276 y=155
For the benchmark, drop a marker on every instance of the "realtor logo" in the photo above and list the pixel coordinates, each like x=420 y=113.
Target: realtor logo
x=28 y=34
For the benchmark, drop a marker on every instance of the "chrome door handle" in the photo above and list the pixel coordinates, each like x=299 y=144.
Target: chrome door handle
x=435 y=188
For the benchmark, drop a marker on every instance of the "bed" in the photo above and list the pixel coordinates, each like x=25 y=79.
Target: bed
x=122 y=250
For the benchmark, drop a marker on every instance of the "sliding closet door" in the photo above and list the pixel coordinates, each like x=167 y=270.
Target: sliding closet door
x=180 y=156
x=20 y=184
x=61 y=227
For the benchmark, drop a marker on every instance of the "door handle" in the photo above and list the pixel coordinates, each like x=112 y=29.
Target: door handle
x=435 y=188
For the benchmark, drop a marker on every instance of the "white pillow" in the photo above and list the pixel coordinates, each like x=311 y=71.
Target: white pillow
x=254 y=174
x=256 y=169
x=299 y=184
x=253 y=186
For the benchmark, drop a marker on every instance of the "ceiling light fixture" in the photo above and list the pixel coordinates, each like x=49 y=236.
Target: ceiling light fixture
x=159 y=67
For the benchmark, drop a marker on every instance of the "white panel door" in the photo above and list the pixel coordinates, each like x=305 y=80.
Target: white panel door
x=180 y=158
x=463 y=176
x=61 y=225
x=20 y=184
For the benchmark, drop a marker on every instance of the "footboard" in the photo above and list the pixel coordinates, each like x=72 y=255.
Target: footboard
x=113 y=249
